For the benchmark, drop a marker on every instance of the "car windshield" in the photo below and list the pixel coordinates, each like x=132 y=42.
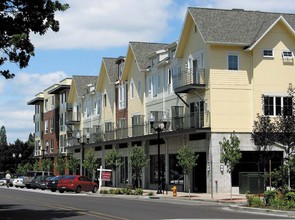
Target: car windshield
x=49 y=177
x=69 y=177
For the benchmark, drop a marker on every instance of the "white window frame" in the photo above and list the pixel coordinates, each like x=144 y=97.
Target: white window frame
x=286 y=54
x=122 y=96
x=275 y=97
x=238 y=61
x=265 y=53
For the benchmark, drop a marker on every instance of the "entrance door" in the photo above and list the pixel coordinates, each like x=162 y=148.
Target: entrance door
x=199 y=174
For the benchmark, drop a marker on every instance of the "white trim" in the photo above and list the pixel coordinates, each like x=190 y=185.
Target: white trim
x=281 y=18
x=266 y=56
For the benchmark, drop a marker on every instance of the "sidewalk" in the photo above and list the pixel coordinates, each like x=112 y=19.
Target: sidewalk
x=216 y=197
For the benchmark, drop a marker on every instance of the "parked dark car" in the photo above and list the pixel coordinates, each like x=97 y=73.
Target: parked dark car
x=77 y=184
x=34 y=183
x=52 y=184
x=44 y=182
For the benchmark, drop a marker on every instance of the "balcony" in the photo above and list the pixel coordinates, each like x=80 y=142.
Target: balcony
x=73 y=118
x=137 y=130
x=189 y=79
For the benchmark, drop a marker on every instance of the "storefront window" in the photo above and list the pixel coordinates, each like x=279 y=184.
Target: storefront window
x=176 y=176
x=154 y=168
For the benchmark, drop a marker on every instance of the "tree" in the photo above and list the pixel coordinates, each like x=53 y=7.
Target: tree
x=18 y=20
x=264 y=139
x=187 y=160
x=285 y=130
x=3 y=137
x=73 y=163
x=230 y=154
x=61 y=165
x=113 y=159
x=89 y=163
x=36 y=165
x=138 y=160
x=47 y=164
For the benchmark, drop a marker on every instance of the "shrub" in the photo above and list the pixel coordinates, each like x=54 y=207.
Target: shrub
x=127 y=191
x=103 y=191
x=138 y=191
x=290 y=196
x=254 y=201
x=150 y=194
x=269 y=195
x=111 y=191
x=278 y=203
x=118 y=191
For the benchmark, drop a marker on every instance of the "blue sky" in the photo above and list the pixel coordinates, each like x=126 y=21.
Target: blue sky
x=96 y=29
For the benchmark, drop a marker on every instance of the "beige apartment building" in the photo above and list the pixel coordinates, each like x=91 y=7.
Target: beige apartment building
x=226 y=67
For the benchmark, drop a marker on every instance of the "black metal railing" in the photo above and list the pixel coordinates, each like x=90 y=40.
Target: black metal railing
x=189 y=77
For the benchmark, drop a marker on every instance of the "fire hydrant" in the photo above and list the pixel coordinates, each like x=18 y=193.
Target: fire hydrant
x=174 y=191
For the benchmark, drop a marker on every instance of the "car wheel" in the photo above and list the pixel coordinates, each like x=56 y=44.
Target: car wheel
x=78 y=190
x=94 y=189
x=61 y=191
x=22 y=187
x=16 y=186
x=53 y=190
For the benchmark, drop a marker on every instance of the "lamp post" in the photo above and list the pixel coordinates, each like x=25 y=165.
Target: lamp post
x=158 y=129
x=83 y=144
x=18 y=157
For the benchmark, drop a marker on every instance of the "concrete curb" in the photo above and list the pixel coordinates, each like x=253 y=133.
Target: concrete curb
x=282 y=213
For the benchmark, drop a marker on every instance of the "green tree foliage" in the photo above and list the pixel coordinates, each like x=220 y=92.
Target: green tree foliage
x=113 y=160
x=61 y=165
x=285 y=132
x=73 y=163
x=187 y=160
x=263 y=135
x=138 y=160
x=23 y=169
x=230 y=154
x=3 y=137
x=36 y=166
x=47 y=164
x=90 y=163
x=20 y=18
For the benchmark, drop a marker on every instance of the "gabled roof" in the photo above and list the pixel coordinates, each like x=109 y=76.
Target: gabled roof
x=111 y=68
x=141 y=51
x=237 y=26
x=81 y=83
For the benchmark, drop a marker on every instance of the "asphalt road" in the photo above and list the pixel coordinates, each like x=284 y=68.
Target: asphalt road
x=37 y=204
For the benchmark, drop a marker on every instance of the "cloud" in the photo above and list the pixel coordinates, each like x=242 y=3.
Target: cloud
x=16 y=115
x=108 y=23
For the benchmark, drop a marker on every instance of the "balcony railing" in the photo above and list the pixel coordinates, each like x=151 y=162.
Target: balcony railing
x=188 y=79
x=198 y=119
x=73 y=118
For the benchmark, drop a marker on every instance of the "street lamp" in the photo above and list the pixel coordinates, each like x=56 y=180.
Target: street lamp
x=158 y=129
x=15 y=156
x=83 y=144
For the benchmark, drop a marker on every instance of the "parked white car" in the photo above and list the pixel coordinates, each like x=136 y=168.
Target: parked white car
x=19 y=182
x=3 y=182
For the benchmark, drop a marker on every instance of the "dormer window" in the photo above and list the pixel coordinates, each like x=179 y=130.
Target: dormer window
x=268 y=53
